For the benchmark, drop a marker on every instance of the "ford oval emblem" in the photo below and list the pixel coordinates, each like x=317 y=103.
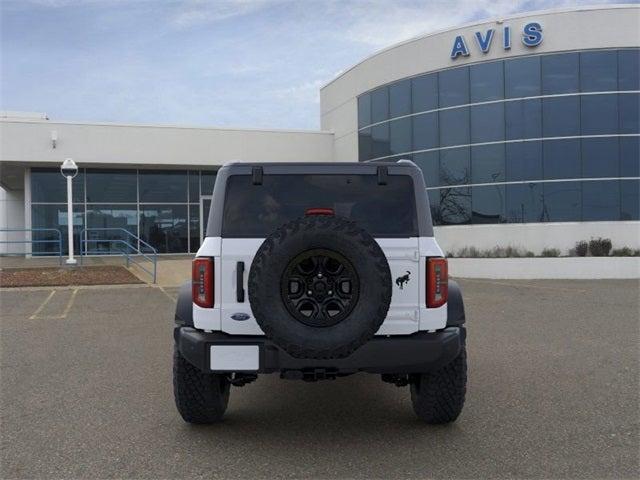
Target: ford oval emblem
x=240 y=317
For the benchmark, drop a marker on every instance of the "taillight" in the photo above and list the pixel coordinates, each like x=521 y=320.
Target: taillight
x=437 y=282
x=202 y=282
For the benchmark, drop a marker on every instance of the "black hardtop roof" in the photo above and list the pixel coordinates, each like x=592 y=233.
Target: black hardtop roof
x=320 y=165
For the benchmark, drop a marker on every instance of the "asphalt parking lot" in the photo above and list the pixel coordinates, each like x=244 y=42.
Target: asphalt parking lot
x=553 y=393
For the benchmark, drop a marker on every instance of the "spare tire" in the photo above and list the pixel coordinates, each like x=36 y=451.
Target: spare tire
x=320 y=287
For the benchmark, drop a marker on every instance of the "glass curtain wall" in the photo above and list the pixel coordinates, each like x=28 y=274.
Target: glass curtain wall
x=545 y=138
x=162 y=207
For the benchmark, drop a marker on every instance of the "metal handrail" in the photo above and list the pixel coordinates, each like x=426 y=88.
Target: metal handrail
x=151 y=256
x=32 y=241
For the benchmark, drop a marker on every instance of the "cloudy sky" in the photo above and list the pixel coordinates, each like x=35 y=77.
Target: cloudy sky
x=246 y=63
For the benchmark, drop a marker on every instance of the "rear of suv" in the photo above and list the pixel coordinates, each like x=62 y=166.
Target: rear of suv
x=317 y=271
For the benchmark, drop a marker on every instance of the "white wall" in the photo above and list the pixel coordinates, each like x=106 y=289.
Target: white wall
x=537 y=236
x=576 y=29
x=11 y=217
x=29 y=141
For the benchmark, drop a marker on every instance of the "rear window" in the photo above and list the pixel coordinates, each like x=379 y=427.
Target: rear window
x=256 y=210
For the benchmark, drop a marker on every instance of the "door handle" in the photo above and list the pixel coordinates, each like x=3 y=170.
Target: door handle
x=240 y=282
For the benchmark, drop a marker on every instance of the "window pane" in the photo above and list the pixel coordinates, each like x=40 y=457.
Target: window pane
x=365 y=146
x=429 y=163
x=630 y=197
x=488 y=204
x=487 y=81
x=522 y=77
x=561 y=159
x=524 y=161
x=487 y=164
x=380 y=140
x=561 y=116
x=600 y=157
x=630 y=156
x=560 y=73
x=400 y=98
x=112 y=186
x=629 y=69
x=194 y=227
x=379 y=105
x=454 y=127
x=599 y=71
x=49 y=186
x=364 y=110
x=54 y=216
x=629 y=113
x=194 y=186
x=455 y=206
x=562 y=201
x=165 y=227
x=599 y=114
x=113 y=217
x=434 y=205
x=600 y=200
x=424 y=92
x=454 y=87
x=455 y=166
x=524 y=203
x=523 y=119
x=163 y=186
x=487 y=123
x=425 y=131
x=207 y=181
x=400 y=131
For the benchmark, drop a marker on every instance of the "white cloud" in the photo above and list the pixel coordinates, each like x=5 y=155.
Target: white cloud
x=190 y=13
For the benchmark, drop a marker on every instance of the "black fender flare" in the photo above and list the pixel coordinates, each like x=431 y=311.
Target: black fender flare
x=184 y=307
x=455 y=305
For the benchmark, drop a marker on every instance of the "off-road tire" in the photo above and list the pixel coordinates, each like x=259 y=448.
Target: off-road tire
x=337 y=234
x=438 y=396
x=200 y=397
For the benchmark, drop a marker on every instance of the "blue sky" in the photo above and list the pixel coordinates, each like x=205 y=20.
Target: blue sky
x=243 y=63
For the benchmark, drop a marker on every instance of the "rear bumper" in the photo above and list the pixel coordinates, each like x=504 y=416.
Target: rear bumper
x=415 y=353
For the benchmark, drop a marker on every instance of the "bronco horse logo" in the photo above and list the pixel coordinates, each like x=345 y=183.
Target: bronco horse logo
x=400 y=281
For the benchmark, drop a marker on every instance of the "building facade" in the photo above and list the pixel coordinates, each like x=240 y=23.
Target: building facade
x=526 y=129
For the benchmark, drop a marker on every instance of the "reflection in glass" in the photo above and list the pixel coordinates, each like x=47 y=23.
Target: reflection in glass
x=380 y=140
x=453 y=87
x=55 y=216
x=425 y=131
x=434 y=206
x=487 y=123
x=630 y=157
x=194 y=227
x=112 y=186
x=454 y=127
x=165 y=227
x=561 y=159
x=488 y=204
x=560 y=73
x=599 y=114
x=600 y=157
x=194 y=186
x=524 y=203
x=523 y=119
x=487 y=164
x=522 y=77
x=455 y=166
x=430 y=165
x=630 y=199
x=364 y=110
x=598 y=71
x=487 y=81
x=113 y=217
x=523 y=161
x=424 y=93
x=49 y=186
x=208 y=180
x=600 y=200
x=365 y=145
x=163 y=186
x=629 y=69
x=629 y=113
x=562 y=202
x=400 y=99
x=400 y=135
x=455 y=206
x=561 y=116
x=379 y=105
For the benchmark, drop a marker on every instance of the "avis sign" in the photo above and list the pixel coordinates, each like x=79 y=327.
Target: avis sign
x=531 y=37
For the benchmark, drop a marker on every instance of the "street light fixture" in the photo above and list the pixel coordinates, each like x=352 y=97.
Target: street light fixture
x=69 y=169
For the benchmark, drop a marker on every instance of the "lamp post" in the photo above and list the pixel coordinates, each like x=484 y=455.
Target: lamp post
x=69 y=170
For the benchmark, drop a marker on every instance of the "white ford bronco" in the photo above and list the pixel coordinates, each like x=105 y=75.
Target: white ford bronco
x=316 y=271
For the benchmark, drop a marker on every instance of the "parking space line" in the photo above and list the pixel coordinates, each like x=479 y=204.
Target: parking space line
x=167 y=294
x=42 y=305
